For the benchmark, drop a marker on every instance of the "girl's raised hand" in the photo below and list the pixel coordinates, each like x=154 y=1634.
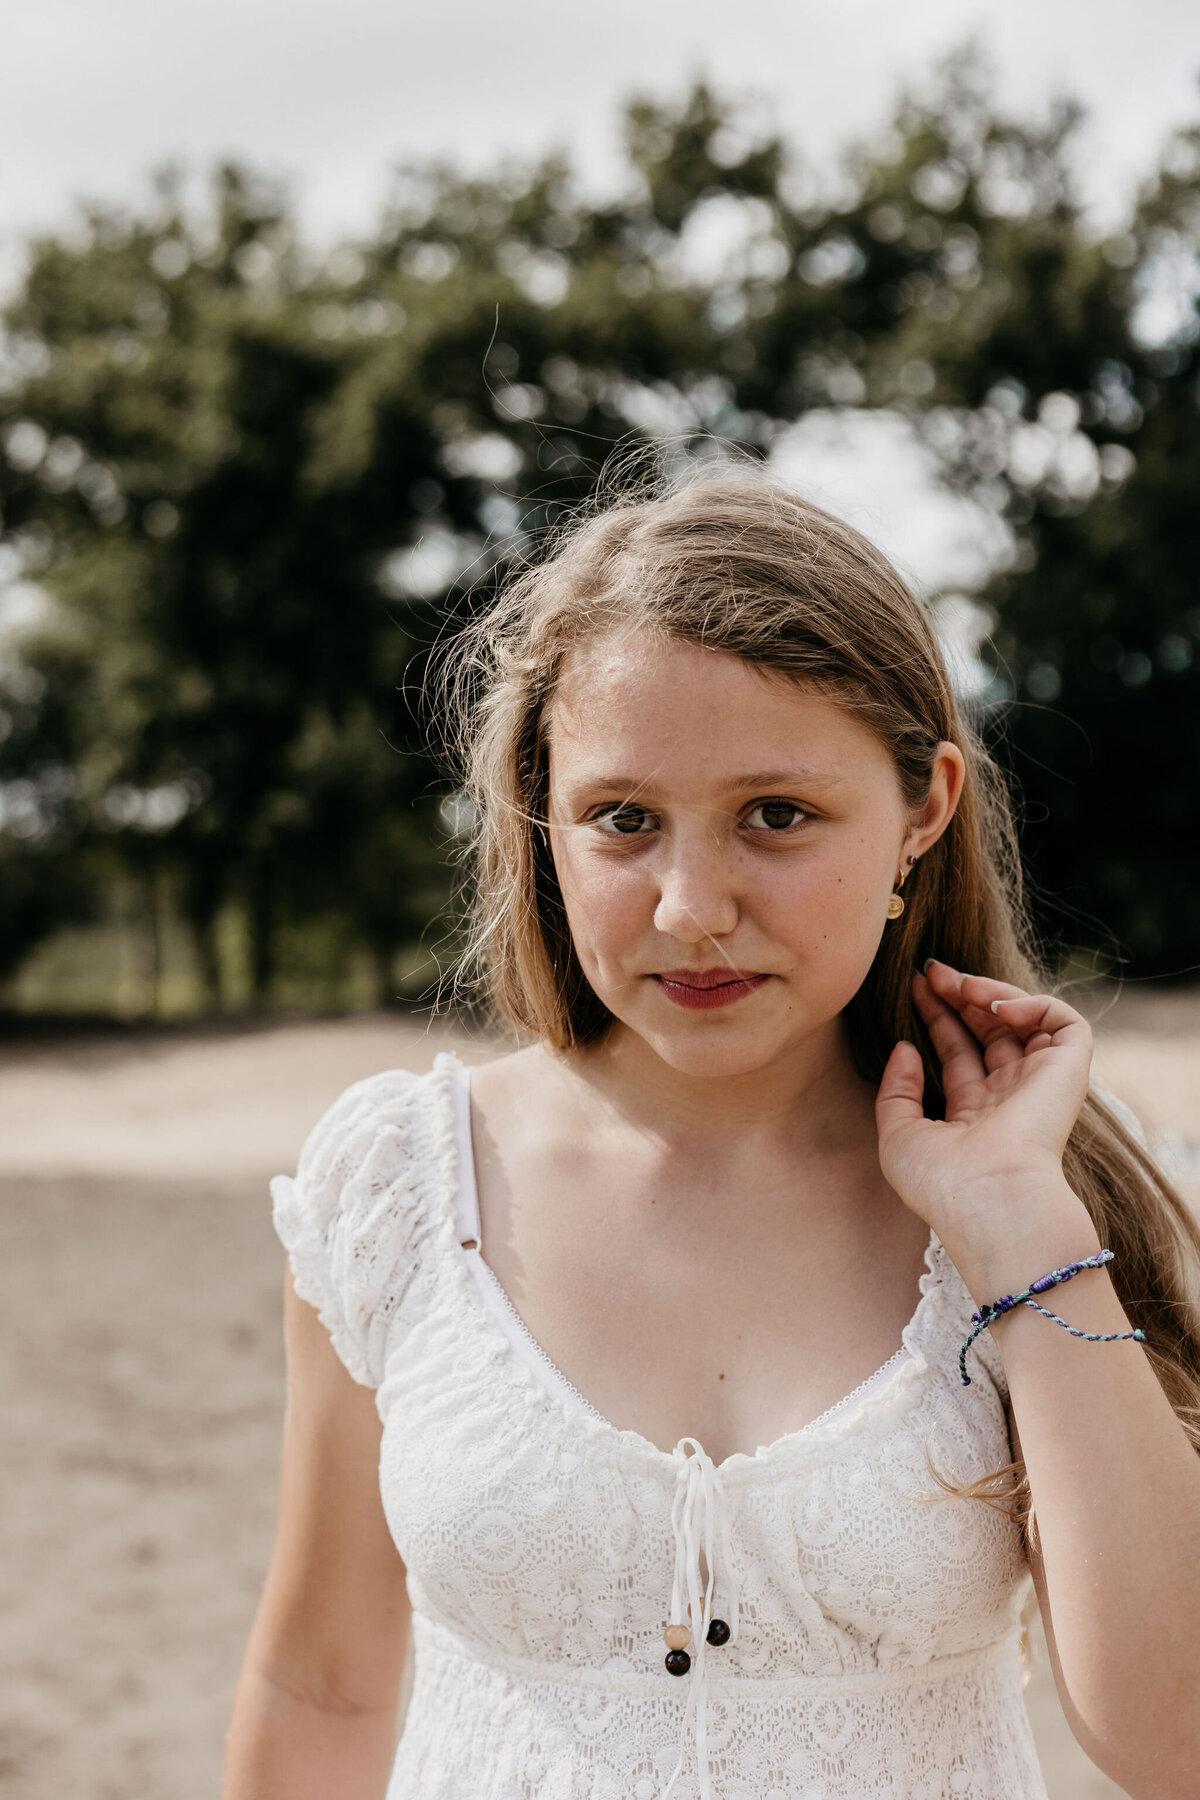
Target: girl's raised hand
x=1015 y=1069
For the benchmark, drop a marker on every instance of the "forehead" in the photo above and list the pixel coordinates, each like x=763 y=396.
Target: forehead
x=657 y=706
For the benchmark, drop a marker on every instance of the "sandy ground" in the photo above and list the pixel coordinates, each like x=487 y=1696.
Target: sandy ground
x=142 y=1379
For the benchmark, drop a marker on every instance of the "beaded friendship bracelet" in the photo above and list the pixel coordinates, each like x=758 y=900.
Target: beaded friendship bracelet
x=988 y=1315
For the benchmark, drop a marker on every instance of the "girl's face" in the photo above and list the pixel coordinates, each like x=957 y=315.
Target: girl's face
x=726 y=842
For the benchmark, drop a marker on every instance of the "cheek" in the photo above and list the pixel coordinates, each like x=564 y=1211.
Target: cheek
x=818 y=901
x=608 y=903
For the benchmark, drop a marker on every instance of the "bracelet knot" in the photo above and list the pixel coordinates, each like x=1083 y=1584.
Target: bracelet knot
x=996 y=1310
x=987 y=1315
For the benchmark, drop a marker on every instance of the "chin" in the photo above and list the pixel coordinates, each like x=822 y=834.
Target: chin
x=711 y=1051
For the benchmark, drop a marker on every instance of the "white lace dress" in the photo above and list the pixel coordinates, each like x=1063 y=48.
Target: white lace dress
x=874 y=1646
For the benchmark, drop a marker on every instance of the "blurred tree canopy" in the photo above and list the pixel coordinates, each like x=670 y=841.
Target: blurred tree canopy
x=252 y=484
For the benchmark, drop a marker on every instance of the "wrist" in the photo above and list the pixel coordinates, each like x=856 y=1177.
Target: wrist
x=1020 y=1243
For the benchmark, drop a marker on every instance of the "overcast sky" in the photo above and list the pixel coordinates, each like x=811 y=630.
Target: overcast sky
x=331 y=91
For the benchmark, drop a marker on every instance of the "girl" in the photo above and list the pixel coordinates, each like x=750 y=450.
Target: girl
x=681 y=1482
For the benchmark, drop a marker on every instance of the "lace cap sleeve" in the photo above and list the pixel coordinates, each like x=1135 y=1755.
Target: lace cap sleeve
x=345 y=1217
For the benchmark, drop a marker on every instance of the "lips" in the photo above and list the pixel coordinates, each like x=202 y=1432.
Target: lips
x=706 y=978
x=700 y=989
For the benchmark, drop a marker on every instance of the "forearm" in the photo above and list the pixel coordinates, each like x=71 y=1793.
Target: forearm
x=286 y=1747
x=1116 y=1492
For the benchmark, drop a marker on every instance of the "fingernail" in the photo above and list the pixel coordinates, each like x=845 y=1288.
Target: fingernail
x=926 y=965
x=996 y=1003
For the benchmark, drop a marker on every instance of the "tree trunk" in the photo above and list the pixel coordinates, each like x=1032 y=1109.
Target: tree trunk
x=205 y=932
x=262 y=938
x=154 y=922
x=385 y=986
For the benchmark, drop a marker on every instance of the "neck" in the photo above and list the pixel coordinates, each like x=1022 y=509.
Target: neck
x=810 y=1097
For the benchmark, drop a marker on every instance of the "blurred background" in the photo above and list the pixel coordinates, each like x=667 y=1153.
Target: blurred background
x=314 y=318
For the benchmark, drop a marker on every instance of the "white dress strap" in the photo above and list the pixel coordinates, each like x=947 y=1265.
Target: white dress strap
x=469 y=1228
x=466 y=1191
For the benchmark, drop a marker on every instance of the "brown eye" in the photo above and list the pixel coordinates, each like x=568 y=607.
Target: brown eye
x=775 y=815
x=628 y=820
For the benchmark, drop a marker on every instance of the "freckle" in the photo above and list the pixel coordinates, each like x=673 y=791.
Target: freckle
x=720 y=1377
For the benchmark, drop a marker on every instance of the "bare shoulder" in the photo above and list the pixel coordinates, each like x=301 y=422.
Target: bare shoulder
x=508 y=1078
x=519 y=1096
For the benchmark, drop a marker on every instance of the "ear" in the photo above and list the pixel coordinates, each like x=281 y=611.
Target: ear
x=945 y=791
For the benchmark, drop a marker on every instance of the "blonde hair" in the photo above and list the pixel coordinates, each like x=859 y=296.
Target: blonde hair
x=733 y=562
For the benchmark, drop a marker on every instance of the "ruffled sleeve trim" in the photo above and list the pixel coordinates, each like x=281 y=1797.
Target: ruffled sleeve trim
x=943 y=1323
x=346 y=1217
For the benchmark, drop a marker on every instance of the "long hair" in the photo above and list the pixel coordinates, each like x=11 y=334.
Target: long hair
x=734 y=562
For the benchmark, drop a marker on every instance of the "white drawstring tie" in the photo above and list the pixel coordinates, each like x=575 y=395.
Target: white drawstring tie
x=699 y=1522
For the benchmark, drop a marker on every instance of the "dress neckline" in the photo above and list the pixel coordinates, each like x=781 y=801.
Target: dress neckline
x=541 y=1369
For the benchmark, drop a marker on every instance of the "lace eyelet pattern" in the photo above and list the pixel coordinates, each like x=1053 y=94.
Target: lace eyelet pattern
x=873 y=1653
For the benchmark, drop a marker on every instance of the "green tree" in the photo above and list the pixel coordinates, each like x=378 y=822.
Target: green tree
x=257 y=485
x=1072 y=410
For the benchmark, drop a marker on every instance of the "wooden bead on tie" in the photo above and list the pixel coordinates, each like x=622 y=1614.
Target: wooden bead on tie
x=675 y=1637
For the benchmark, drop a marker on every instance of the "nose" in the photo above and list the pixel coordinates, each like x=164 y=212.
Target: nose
x=697 y=898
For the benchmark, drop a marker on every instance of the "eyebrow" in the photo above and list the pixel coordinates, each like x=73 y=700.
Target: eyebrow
x=771 y=777
x=762 y=779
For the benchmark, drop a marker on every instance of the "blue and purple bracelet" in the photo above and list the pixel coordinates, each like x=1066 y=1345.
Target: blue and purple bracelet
x=987 y=1315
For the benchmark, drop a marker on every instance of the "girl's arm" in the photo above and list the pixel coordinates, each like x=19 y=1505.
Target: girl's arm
x=1116 y=1495
x=1114 y=1481
x=316 y=1706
